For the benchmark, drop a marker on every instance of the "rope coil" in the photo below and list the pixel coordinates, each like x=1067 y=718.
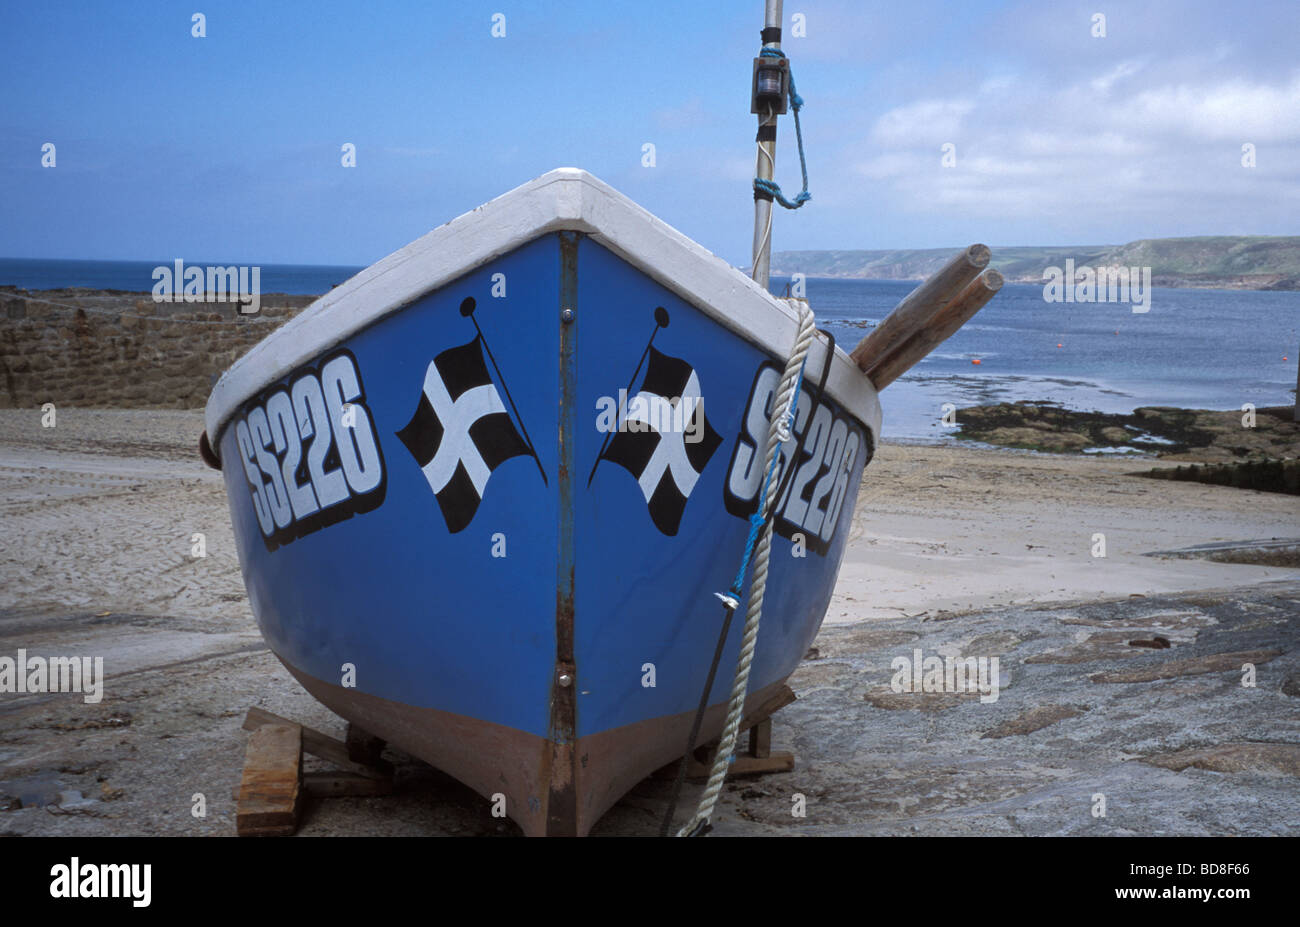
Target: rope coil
x=771 y=187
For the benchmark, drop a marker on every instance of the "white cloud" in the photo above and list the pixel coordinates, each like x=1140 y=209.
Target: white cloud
x=1059 y=136
x=1233 y=109
x=885 y=166
x=1097 y=151
x=1118 y=73
x=1061 y=142
x=925 y=122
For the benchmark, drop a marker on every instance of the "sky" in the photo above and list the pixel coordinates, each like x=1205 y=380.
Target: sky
x=228 y=147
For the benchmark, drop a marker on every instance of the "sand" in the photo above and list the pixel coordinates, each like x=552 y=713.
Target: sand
x=95 y=557
x=941 y=529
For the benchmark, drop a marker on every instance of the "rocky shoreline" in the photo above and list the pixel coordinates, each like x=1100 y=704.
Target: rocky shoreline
x=1183 y=435
x=1262 y=282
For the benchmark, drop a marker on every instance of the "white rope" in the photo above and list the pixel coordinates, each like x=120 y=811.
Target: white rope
x=765 y=242
x=783 y=410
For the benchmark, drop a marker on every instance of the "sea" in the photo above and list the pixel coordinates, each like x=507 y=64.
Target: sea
x=1193 y=348
x=137 y=276
x=1203 y=349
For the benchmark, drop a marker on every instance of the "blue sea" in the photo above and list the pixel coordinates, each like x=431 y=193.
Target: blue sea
x=137 y=276
x=1202 y=349
x=1207 y=349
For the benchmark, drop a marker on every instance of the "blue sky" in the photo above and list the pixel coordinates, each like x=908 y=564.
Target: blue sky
x=228 y=147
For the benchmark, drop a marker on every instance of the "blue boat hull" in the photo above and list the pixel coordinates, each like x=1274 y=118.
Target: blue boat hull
x=460 y=529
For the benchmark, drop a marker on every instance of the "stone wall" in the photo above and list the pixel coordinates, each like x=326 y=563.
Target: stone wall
x=97 y=349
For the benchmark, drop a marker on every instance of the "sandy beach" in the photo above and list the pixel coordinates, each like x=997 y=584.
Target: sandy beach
x=930 y=522
x=950 y=545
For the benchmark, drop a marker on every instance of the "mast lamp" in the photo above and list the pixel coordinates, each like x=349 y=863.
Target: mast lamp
x=771 y=80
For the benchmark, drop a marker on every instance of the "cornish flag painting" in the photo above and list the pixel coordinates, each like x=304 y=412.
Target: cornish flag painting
x=662 y=436
x=461 y=432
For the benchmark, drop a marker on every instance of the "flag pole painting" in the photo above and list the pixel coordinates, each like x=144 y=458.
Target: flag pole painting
x=661 y=435
x=461 y=431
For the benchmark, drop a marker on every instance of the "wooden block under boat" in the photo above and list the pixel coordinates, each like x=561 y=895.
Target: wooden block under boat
x=758 y=758
x=270 y=793
x=344 y=785
x=744 y=765
x=363 y=746
x=322 y=745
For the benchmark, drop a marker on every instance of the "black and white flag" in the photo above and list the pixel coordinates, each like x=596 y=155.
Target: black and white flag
x=461 y=431
x=663 y=438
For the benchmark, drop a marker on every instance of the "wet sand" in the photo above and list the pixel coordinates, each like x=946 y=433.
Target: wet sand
x=954 y=550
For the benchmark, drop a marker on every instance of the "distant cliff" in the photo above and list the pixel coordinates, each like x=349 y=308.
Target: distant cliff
x=1231 y=262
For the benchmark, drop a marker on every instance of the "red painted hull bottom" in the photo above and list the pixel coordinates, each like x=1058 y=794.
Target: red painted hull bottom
x=527 y=769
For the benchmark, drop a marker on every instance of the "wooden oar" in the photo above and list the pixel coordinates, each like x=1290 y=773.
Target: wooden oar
x=923 y=302
x=936 y=330
x=919 y=311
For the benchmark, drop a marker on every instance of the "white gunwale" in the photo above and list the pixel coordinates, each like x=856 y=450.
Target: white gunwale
x=565 y=199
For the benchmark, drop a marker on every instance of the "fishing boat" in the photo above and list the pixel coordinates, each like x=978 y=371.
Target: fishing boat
x=491 y=494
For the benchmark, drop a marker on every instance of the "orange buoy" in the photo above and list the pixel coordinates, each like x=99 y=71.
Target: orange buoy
x=1058 y=344
x=974 y=360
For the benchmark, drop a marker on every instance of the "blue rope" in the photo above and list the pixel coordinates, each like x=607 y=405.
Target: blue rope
x=770 y=187
x=759 y=518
